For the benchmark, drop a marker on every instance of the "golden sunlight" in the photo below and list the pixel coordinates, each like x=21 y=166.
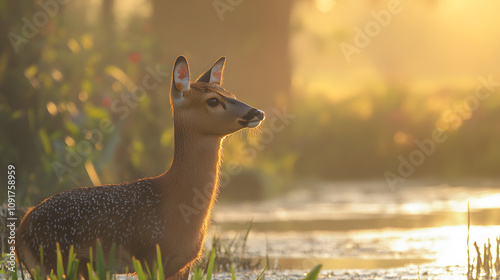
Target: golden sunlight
x=402 y=138
x=51 y=108
x=450 y=243
x=69 y=141
x=325 y=5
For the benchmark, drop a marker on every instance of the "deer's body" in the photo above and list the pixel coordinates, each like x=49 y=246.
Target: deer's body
x=138 y=215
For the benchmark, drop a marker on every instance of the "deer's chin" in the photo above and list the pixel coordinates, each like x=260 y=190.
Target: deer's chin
x=253 y=124
x=250 y=124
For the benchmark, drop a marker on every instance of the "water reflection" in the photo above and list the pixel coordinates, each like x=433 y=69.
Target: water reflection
x=367 y=249
x=366 y=227
x=352 y=200
x=333 y=263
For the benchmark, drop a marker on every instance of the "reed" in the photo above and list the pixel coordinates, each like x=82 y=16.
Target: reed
x=484 y=267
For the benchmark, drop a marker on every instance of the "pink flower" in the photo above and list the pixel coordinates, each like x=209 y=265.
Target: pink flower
x=134 y=57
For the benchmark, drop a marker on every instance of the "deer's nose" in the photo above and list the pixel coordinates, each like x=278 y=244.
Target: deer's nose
x=259 y=114
x=253 y=118
x=254 y=114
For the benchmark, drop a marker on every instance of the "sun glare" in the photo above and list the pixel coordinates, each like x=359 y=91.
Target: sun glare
x=325 y=5
x=451 y=245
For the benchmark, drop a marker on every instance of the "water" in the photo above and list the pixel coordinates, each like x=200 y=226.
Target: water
x=366 y=229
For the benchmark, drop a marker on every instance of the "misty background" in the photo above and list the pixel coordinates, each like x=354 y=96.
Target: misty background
x=352 y=87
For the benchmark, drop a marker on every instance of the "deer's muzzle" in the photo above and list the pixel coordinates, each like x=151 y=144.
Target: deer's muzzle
x=252 y=118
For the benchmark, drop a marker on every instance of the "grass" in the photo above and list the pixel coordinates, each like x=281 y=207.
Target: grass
x=142 y=270
x=225 y=256
x=230 y=254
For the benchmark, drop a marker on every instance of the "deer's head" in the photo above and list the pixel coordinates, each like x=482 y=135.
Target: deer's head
x=204 y=106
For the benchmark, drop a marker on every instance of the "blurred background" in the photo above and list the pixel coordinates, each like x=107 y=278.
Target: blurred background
x=381 y=111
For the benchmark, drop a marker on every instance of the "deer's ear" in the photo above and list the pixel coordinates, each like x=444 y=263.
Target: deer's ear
x=180 y=80
x=215 y=73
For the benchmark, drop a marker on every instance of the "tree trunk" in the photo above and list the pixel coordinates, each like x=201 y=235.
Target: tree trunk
x=254 y=35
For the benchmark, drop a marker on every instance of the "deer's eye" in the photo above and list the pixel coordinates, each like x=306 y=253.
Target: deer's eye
x=212 y=102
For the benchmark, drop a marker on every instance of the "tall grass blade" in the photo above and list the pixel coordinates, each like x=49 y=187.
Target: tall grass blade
x=197 y=274
x=42 y=260
x=20 y=265
x=91 y=271
x=469 y=271
x=161 y=275
x=233 y=275
x=72 y=267
x=262 y=276
x=74 y=270
x=52 y=275
x=138 y=269
x=100 y=264
x=37 y=274
x=248 y=230
x=71 y=259
x=112 y=261
x=211 y=265
x=90 y=265
x=244 y=245
x=60 y=267
x=148 y=275
x=314 y=273
x=14 y=274
x=497 y=260
x=154 y=275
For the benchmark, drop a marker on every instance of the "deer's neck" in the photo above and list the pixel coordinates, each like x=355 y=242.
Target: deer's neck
x=190 y=185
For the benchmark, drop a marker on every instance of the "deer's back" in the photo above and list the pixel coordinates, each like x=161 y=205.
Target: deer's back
x=113 y=213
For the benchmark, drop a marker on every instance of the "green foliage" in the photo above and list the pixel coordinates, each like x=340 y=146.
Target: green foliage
x=210 y=265
x=70 y=77
x=362 y=136
x=72 y=266
x=314 y=273
x=14 y=274
x=56 y=94
x=90 y=266
x=100 y=265
x=160 y=274
x=233 y=275
x=60 y=267
x=142 y=269
x=139 y=270
x=198 y=273
x=4 y=270
x=262 y=276
x=227 y=254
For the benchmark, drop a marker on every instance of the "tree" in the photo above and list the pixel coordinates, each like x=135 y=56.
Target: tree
x=253 y=34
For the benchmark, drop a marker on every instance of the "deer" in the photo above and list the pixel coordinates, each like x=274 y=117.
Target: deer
x=136 y=217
